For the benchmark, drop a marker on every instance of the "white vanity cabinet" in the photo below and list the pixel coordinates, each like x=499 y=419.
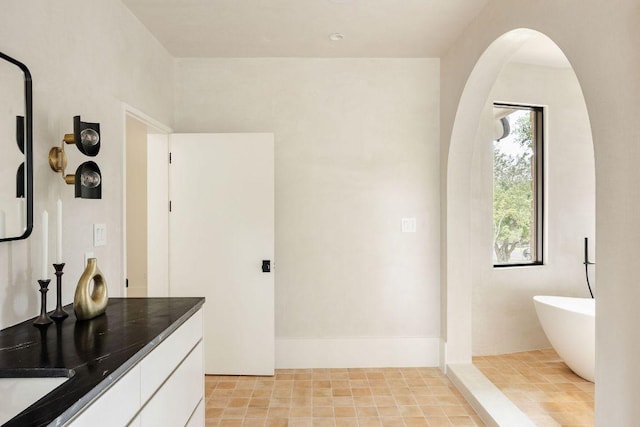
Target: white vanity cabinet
x=165 y=388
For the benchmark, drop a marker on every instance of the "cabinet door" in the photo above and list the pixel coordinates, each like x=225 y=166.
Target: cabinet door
x=116 y=406
x=197 y=418
x=174 y=403
x=160 y=363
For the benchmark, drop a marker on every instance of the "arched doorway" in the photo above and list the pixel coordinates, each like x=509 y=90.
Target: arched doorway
x=463 y=244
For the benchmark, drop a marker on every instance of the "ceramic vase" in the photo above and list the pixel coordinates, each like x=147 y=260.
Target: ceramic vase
x=86 y=304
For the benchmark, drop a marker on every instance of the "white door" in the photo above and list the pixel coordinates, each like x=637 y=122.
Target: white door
x=221 y=230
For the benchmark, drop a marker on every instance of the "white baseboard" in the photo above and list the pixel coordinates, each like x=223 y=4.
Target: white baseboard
x=357 y=352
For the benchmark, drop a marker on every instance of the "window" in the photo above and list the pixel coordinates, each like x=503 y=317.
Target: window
x=517 y=185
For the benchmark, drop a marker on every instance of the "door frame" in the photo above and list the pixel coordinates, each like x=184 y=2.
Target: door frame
x=130 y=111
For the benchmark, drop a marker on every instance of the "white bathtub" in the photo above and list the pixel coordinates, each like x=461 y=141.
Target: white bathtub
x=569 y=324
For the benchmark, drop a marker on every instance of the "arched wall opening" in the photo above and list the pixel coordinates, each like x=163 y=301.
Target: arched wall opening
x=468 y=268
x=601 y=43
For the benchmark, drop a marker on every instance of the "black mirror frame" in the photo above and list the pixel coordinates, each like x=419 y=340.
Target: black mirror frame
x=28 y=147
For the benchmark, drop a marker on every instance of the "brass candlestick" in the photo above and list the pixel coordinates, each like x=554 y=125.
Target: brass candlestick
x=43 y=320
x=59 y=313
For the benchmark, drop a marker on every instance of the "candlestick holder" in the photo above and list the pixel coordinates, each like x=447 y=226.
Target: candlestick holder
x=43 y=320
x=59 y=313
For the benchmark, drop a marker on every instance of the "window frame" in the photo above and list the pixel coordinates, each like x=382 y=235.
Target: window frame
x=538 y=180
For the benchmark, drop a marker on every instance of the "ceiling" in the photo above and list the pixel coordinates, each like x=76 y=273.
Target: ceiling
x=301 y=28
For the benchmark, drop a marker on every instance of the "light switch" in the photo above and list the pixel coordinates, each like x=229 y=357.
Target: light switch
x=99 y=234
x=408 y=225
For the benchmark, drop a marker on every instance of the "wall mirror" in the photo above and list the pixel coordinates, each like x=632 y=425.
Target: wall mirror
x=16 y=169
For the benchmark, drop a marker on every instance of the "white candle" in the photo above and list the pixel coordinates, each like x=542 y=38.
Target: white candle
x=45 y=244
x=59 y=232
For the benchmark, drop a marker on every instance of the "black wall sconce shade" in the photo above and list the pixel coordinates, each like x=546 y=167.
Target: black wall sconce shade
x=20 y=133
x=506 y=128
x=20 y=182
x=86 y=136
x=88 y=178
x=20 y=176
x=88 y=181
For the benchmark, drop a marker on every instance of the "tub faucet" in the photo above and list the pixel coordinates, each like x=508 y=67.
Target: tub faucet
x=587 y=263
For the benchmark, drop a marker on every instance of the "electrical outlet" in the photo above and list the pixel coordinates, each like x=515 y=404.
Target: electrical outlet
x=99 y=235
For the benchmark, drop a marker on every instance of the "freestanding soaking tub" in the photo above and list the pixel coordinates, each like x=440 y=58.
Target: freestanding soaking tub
x=569 y=324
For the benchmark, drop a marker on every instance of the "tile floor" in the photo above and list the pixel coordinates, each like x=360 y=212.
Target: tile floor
x=542 y=386
x=338 y=397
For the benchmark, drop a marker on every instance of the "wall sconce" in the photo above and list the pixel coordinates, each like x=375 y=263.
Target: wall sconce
x=20 y=141
x=87 y=179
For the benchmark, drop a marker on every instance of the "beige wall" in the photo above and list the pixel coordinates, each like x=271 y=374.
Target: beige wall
x=356 y=151
x=158 y=220
x=504 y=319
x=136 y=215
x=85 y=58
x=600 y=40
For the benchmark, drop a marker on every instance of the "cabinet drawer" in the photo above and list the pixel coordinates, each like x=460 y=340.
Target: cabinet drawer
x=158 y=365
x=174 y=403
x=170 y=380
x=116 y=406
x=197 y=418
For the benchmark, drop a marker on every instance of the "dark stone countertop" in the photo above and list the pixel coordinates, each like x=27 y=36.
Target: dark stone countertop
x=93 y=353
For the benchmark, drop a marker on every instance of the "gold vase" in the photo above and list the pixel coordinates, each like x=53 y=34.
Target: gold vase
x=89 y=305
